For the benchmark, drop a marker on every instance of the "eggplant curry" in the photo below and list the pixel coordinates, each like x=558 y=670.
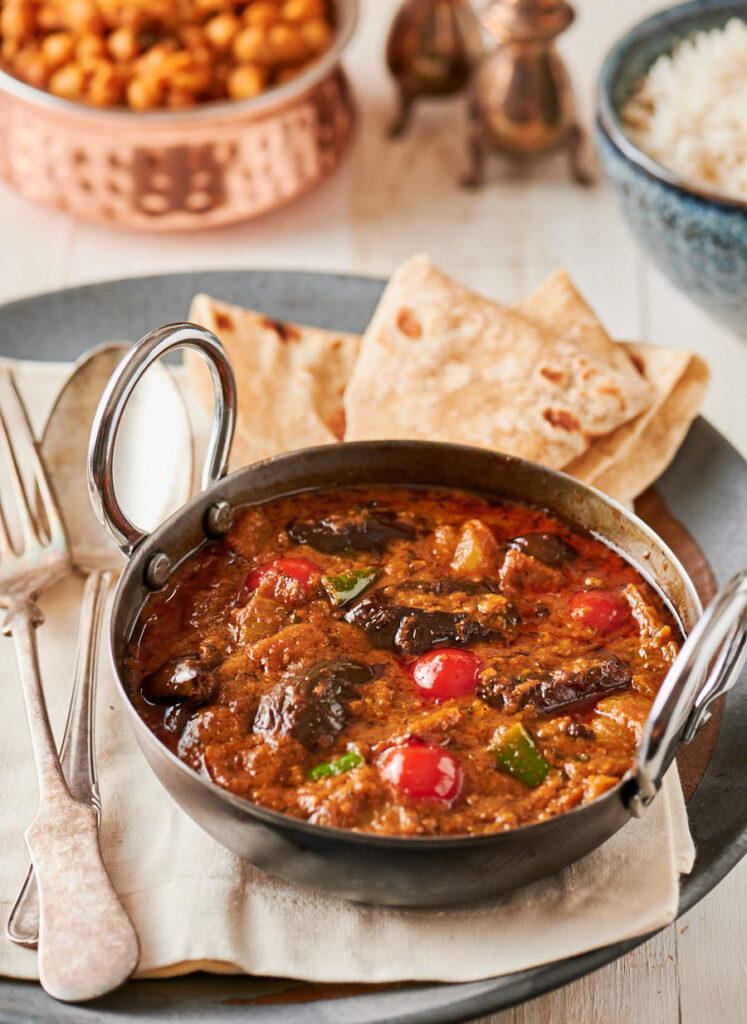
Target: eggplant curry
x=403 y=662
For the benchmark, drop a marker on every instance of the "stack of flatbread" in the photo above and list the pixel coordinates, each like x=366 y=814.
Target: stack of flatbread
x=541 y=380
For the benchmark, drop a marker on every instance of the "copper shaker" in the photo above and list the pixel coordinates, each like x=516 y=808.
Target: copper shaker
x=432 y=50
x=522 y=102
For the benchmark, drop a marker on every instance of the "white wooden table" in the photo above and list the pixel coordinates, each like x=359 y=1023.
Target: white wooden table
x=389 y=201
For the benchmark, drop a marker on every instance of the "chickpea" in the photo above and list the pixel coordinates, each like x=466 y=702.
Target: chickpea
x=122 y=44
x=193 y=37
x=203 y=56
x=246 y=81
x=105 y=85
x=31 y=66
x=317 y=34
x=50 y=18
x=83 y=16
x=302 y=10
x=154 y=62
x=286 y=44
x=9 y=50
x=186 y=72
x=251 y=46
x=68 y=81
x=262 y=12
x=221 y=31
x=17 y=20
x=58 y=49
x=89 y=47
x=144 y=93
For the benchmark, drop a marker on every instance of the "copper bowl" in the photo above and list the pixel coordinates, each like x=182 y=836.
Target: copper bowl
x=175 y=171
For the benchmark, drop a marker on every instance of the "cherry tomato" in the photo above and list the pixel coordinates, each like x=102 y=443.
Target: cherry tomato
x=447 y=672
x=423 y=771
x=603 y=610
x=287 y=580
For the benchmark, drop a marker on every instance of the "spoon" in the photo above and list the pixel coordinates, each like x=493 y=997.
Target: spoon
x=156 y=433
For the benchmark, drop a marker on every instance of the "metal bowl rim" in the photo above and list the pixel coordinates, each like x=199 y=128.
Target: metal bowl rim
x=609 y=120
x=287 y=822
x=271 y=99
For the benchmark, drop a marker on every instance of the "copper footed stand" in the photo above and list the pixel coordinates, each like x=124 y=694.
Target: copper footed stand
x=522 y=102
x=432 y=50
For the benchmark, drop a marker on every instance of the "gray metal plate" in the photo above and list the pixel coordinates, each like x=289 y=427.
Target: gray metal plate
x=705 y=488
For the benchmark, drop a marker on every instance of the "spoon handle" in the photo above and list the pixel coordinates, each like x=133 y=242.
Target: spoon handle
x=76 y=753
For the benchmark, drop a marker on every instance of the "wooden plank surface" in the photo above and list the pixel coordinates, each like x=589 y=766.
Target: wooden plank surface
x=694 y=972
x=389 y=201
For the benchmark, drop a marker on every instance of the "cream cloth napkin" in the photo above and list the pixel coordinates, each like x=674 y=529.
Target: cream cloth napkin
x=196 y=906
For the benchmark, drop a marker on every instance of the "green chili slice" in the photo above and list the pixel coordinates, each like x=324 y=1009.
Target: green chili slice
x=519 y=756
x=348 y=585
x=343 y=764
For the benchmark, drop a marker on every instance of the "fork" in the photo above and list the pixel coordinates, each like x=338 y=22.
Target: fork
x=87 y=944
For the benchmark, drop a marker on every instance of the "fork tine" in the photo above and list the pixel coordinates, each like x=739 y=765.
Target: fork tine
x=6 y=548
x=19 y=446
x=21 y=505
x=55 y=527
x=6 y=545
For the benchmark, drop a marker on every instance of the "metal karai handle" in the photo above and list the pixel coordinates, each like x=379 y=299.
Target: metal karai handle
x=707 y=666
x=112 y=405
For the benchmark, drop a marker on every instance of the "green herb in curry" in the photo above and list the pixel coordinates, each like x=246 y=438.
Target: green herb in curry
x=343 y=764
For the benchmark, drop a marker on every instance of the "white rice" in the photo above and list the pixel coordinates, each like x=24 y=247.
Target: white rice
x=690 y=111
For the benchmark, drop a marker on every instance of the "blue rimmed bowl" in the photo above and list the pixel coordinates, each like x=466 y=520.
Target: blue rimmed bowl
x=696 y=235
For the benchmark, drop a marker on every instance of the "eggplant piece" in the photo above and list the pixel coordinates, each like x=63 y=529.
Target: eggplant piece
x=362 y=532
x=561 y=689
x=412 y=631
x=565 y=688
x=311 y=706
x=548 y=548
x=378 y=618
x=187 y=679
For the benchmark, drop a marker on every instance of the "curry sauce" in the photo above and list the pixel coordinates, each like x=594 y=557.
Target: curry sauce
x=402 y=661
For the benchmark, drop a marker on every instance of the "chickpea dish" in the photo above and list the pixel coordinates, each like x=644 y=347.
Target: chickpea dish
x=156 y=54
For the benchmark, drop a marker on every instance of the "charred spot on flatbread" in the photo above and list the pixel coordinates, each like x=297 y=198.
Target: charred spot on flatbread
x=285 y=331
x=607 y=389
x=408 y=324
x=562 y=419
